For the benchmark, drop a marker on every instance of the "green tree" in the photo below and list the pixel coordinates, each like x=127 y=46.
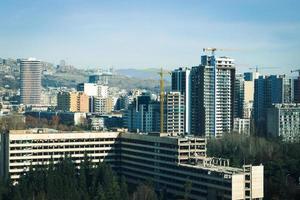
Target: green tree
x=144 y=192
x=187 y=189
x=124 y=189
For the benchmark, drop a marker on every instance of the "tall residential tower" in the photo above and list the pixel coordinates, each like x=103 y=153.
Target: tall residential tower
x=181 y=82
x=31 y=86
x=212 y=96
x=269 y=90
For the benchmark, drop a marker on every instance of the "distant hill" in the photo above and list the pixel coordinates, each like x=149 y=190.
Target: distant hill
x=148 y=73
x=71 y=76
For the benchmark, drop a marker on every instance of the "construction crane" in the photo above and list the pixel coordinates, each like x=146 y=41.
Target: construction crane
x=296 y=70
x=213 y=50
x=256 y=68
x=162 y=97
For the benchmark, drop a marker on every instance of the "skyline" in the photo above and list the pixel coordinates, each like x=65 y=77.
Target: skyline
x=136 y=34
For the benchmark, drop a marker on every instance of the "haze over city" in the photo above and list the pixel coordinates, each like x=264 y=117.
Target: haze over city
x=138 y=34
x=149 y=100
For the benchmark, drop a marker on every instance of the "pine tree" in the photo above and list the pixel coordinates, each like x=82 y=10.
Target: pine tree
x=124 y=189
x=144 y=192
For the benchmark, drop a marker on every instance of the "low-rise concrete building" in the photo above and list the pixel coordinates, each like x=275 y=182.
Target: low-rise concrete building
x=169 y=162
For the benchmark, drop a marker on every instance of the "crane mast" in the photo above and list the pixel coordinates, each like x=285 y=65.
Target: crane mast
x=162 y=97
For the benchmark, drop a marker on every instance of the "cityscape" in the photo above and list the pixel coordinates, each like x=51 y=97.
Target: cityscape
x=215 y=129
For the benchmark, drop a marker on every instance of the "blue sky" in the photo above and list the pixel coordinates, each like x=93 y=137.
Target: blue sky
x=152 y=33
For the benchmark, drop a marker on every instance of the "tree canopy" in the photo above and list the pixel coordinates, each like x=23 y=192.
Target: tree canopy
x=68 y=181
x=281 y=161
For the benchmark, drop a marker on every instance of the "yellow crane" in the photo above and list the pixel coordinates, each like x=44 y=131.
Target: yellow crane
x=162 y=97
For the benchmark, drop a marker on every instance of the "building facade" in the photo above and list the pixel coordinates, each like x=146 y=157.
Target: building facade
x=101 y=105
x=212 y=96
x=297 y=90
x=270 y=90
x=242 y=126
x=72 y=102
x=169 y=162
x=175 y=106
x=143 y=115
x=239 y=96
x=31 y=81
x=283 y=120
x=93 y=89
x=181 y=82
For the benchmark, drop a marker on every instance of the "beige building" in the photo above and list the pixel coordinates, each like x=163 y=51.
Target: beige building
x=102 y=105
x=73 y=101
x=169 y=162
x=249 y=92
x=30 y=81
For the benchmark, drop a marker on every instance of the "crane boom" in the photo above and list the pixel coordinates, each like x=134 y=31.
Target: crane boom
x=296 y=70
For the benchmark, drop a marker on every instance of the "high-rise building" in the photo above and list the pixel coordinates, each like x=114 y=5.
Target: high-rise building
x=31 y=81
x=122 y=102
x=297 y=90
x=102 y=78
x=143 y=115
x=181 y=82
x=244 y=94
x=175 y=107
x=269 y=90
x=283 y=120
x=239 y=96
x=243 y=101
x=249 y=78
x=212 y=96
x=73 y=102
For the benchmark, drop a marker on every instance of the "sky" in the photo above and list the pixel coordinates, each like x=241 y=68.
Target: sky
x=152 y=33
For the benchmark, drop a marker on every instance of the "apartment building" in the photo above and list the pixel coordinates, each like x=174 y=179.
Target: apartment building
x=101 y=105
x=93 y=89
x=31 y=81
x=175 y=107
x=169 y=162
x=22 y=148
x=270 y=90
x=283 y=120
x=212 y=96
x=143 y=115
x=181 y=82
x=72 y=102
x=242 y=126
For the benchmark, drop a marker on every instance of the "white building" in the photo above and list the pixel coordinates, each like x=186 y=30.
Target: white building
x=97 y=123
x=283 y=120
x=241 y=126
x=212 y=96
x=169 y=162
x=175 y=113
x=93 y=89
